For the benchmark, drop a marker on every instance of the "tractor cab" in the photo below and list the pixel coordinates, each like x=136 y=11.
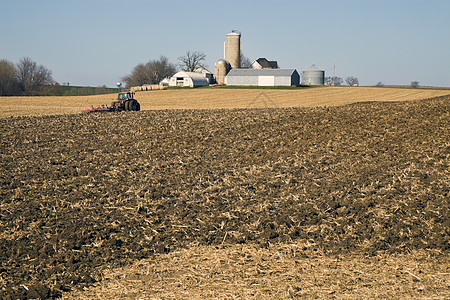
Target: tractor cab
x=124 y=96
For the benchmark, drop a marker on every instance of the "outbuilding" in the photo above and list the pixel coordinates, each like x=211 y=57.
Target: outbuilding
x=188 y=79
x=313 y=76
x=263 y=77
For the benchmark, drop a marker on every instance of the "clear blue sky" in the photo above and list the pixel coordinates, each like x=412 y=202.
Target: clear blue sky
x=97 y=42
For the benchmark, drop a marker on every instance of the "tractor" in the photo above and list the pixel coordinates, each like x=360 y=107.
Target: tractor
x=125 y=102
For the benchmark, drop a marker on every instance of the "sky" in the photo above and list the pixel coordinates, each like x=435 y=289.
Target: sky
x=98 y=42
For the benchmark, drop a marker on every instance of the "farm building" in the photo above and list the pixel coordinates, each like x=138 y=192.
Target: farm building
x=232 y=49
x=221 y=69
x=188 y=79
x=263 y=77
x=165 y=82
x=313 y=76
x=205 y=73
x=263 y=63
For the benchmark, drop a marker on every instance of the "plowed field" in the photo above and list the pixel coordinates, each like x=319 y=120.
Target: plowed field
x=81 y=193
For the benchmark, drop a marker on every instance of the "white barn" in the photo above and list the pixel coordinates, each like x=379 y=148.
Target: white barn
x=263 y=77
x=188 y=79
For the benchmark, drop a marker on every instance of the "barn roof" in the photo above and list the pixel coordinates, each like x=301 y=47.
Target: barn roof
x=267 y=64
x=261 y=72
x=193 y=75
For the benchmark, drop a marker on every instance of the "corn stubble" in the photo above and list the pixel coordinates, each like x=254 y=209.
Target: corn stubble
x=86 y=193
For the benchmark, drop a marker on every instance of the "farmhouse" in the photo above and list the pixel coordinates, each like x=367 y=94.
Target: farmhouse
x=263 y=77
x=188 y=79
x=263 y=63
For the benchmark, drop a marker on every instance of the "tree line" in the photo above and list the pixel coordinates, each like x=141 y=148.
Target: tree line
x=25 y=78
x=28 y=78
x=154 y=71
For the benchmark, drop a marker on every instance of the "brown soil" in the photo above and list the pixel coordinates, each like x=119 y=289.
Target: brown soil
x=83 y=192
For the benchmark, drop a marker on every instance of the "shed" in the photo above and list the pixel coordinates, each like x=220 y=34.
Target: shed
x=188 y=79
x=263 y=77
x=165 y=82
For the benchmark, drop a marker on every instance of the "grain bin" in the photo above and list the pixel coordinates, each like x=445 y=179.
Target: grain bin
x=313 y=76
x=232 y=49
x=221 y=69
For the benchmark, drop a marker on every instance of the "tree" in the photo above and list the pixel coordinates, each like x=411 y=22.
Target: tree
x=150 y=73
x=162 y=68
x=9 y=85
x=191 y=60
x=379 y=84
x=245 y=61
x=333 y=80
x=414 y=84
x=352 y=81
x=31 y=77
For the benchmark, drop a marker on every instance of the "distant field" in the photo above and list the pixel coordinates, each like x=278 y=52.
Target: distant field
x=217 y=98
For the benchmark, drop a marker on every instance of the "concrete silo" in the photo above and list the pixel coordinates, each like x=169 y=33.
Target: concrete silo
x=313 y=76
x=221 y=69
x=232 y=49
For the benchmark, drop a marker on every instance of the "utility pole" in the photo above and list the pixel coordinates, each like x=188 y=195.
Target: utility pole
x=334 y=72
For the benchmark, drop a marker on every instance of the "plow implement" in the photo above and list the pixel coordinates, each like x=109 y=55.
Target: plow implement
x=99 y=108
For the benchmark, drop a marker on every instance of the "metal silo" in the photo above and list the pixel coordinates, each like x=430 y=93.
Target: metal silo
x=233 y=49
x=221 y=69
x=313 y=76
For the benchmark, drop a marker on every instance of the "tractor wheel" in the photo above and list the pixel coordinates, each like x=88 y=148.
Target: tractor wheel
x=113 y=105
x=133 y=105
x=138 y=106
x=127 y=106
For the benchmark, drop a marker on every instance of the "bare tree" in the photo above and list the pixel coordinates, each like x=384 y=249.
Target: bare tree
x=379 y=84
x=338 y=81
x=414 y=84
x=352 y=81
x=333 y=80
x=150 y=73
x=162 y=68
x=9 y=85
x=245 y=61
x=191 y=60
x=32 y=77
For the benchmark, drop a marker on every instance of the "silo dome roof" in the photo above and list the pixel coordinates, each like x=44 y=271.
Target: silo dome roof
x=314 y=68
x=222 y=62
